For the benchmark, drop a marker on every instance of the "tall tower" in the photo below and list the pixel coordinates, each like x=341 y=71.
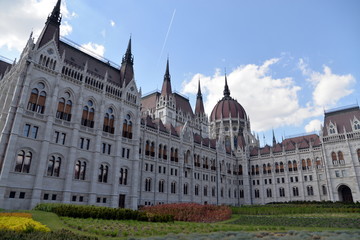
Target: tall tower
x=201 y=120
x=166 y=104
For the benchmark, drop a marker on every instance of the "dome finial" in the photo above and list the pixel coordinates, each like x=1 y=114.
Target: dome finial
x=226 y=88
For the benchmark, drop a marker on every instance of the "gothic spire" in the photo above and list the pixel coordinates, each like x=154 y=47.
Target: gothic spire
x=166 y=87
x=199 y=107
x=274 y=139
x=55 y=15
x=226 y=89
x=127 y=66
x=128 y=58
x=52 y=27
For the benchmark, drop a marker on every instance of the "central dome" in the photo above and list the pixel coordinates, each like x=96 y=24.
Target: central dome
x=227 y=107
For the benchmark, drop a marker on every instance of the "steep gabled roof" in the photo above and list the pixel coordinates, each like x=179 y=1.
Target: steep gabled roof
x=183 y=104
x=342 y=118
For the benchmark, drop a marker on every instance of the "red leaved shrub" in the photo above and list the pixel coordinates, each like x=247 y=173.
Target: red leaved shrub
x=191 y=212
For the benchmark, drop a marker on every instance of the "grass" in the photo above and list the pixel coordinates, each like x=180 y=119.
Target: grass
x=314 y=225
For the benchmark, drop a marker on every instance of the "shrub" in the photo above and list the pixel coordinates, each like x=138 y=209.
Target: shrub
x=21 y=224
x=191 y=212
x=107 y=213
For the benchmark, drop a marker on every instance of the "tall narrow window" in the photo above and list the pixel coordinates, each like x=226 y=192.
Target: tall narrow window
x=88 y=115
x=54 y=164
x=303 y=164
x=123 y=176
x=295 y=166
x=165 y=153
x=160 y=151
x=64 y=108
x=186 y=188
x=152 y=149
x=334 y=158
x=37 y=99
x=341 y=158
x=161 y=186
x=103 y=173
x=127 y=127
x=173 y=187
x=80 y=170
x=148 y=184
x=23 y=161
x=290 y=167
x=108 y=125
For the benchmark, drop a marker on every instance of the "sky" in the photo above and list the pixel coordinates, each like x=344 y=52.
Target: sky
x=286 y=61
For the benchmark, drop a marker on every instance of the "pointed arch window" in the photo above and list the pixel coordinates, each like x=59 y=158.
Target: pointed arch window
x=268 y=193
x=308 y=164
x=196 y=190
x=37 y=99
x=103 y=173
x=127 y=127
x=172 y=157
x=303 y=164
x=160 y=151
x=205 y=191
x=88 y=113
x=334 y=158
x=310 y=190
x=109 y=118
x=268 y=168
x=294 y=164
x=295 y=191
x=290 y=166
x=281 y=167
x=147 y=148
x=161 y=186
x=147 y=184
x=264 y=169
x=23 y=161
x=186 y=188
x=123 y=176
x=281 y=192
x=164 y=153
x=173 y=187
x=277 y=169
x=80 y=170
x=341 y=158
x=257 y=170
x=54 y=165
x=240 y=170
x=64 y=108
x=176 y=155
x=356 y=125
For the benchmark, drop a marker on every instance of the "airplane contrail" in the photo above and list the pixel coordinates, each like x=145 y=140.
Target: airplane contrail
x=167 y=34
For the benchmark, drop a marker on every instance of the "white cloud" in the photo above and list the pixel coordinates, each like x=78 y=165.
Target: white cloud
x=94 y=49
x=313 y=125
x=329 y=88
x=270 y=102
x=112 y=23
x=19 y=17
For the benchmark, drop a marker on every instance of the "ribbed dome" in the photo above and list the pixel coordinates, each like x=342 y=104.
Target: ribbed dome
x=226 y=107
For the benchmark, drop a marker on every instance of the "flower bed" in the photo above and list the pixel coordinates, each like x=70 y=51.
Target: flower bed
x=191 y=212
x=21 y=224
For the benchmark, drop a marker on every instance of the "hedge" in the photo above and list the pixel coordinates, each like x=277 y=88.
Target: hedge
x=85 y=211
x=57 y=235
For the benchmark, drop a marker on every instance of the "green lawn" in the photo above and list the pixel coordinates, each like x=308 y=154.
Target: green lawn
x=281 y=224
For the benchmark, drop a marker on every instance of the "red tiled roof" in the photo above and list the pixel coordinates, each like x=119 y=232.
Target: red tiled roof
x=183 y=104
x=254 y=151
x=225 y=107
x=265 y=150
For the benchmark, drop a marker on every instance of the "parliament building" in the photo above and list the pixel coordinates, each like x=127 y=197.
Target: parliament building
x=77 y=129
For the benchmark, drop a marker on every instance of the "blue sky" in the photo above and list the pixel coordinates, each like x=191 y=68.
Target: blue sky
x=286 y=61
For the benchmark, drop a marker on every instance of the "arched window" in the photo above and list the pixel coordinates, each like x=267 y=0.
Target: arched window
x=87 y=118
x=176 y=155
x=282 y=192
x=257 y=193
x=277 y=169
x=152 y=149
x=240 y=170
x=161 y=186
x=341 y=158
x=281 y=167
x=268 y=168
x=109 y=118
x=172 y=154
x=37 y=98
x=324 y=189
x=173 y=187
x=318 y=163
x=268 y=193
x=205 y=191
x=123 y=176
x=186 y=188
x=148 y=185
x=103 y=173
x=54 y=164
x=160 y=151
x=147 y=148
x=308 y=163
x=127 y=127
x=80 y=170
x=303 y=164
x=295 y=191
x=64 y=108
x=257 y=169
x=264 y=169
x=187 y=156
x=310 y=190
x=23 y=161
x=196 y=190
x=290 y=167
x=356 y=125
x=165 y=153
x=295 y=168
x=334 y=158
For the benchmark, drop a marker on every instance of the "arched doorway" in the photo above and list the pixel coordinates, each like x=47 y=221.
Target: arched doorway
x=345 y=194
